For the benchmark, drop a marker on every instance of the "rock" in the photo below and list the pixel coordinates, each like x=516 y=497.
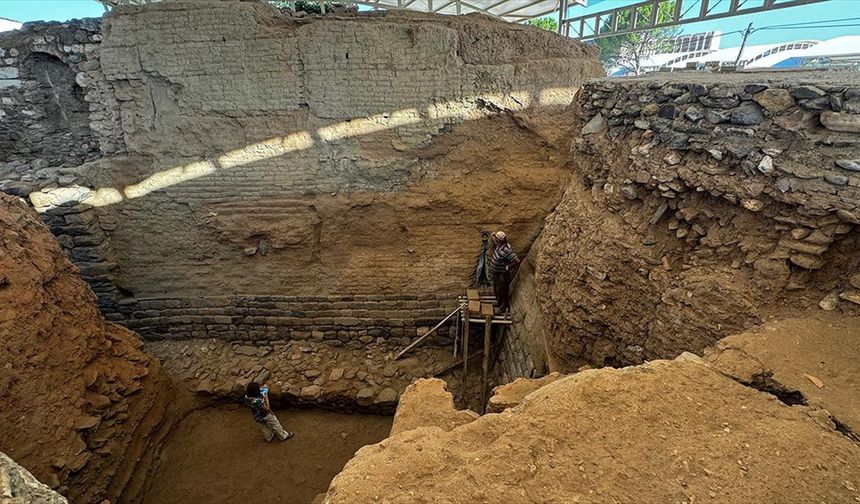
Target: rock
x=389 y=370
x=851 y=296
x=667 y=111
x=642 y=124
x=18 y=486
x=90 y=376
x=311 y=392
x=829 y=302
x=847 y=216
x=807 y=92
x=386 y=396
x=672 y=159
x=717 y=116
x=693 y=113
x=837 y=180
x=849 y=164
x=365 y=396
x=312 y=373
x=336 y=374
x=765 y=165
x=807 y=261
x=249 y=251
x=205 y=387
x=855 y=280
x=775 y=100
x=246 y=350
x=839 y=121
x=86 y=422
x=99 y=401
x=748 y=113
x=597 y=124
x=263 y=247
x=262 y=376
x=752 y=205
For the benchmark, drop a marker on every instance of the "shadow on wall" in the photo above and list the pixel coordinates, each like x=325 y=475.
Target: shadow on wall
x=489 y=105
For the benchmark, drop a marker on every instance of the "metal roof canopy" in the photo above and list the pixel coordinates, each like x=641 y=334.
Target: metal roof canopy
x=509 y=10
x=643 y=16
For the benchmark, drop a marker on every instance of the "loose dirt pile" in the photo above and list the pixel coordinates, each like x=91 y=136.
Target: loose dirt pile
x=666 y=431
x=81 y=403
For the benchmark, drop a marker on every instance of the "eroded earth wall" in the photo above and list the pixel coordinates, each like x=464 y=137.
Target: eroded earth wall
x=706 y=204
x=83 y=406
x=233 y=172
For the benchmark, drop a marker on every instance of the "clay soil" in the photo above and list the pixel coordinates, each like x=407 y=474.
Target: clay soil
x=217 y=455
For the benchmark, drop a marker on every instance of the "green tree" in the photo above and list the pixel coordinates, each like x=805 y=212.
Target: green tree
x=308 y=6
x=630 y=50
x=544 y=23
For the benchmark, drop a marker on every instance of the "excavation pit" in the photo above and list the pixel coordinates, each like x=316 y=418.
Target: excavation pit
x=217 y=455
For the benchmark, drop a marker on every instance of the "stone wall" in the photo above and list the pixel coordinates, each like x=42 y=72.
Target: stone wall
x=523 y=353
x=263 y=319
x=230 y=150
x=706 y=204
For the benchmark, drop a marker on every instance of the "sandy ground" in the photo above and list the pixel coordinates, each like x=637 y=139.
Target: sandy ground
x=217 y=455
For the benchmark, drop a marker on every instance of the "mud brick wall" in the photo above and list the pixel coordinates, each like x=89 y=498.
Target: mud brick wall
x=224 y=148
x=332 y=319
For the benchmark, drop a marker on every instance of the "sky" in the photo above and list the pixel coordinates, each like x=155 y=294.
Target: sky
x=63 y=10
x=823 y=11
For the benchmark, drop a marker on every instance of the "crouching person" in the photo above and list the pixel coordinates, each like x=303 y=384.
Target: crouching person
x=257 y=399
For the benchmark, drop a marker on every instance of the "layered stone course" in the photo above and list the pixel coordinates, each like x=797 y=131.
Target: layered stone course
x=335 y=320
x=793 y=142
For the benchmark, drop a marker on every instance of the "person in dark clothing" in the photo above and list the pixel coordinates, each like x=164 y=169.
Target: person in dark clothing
x=503 y=264
x=257 y=399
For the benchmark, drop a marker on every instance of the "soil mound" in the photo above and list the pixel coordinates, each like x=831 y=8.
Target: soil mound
x=810 y=361
x=667 y=431
x=81 y=401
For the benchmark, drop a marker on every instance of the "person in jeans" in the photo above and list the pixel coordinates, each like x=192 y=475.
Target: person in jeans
x=258 y=400
x=503 y=263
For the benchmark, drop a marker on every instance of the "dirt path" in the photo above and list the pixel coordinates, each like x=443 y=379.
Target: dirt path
x=217 y=455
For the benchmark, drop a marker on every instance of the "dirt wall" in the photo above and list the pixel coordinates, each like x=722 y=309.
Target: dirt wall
x=705 y=204
x=245 y=152
x=83 y=405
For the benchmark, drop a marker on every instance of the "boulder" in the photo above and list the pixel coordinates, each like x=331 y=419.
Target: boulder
x=18 y=486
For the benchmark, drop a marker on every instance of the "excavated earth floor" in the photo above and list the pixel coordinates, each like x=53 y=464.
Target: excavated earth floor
x=216 y=455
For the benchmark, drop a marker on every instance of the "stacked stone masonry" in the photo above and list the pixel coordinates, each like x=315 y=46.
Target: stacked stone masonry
x=764 y=132
x=223 y=148
x=708 y=202
x=333 y=319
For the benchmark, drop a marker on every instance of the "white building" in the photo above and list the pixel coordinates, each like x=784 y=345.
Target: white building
x=7 y=24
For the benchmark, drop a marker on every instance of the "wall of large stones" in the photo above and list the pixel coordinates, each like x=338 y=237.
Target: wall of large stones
x=233 y=151
x=707 y=203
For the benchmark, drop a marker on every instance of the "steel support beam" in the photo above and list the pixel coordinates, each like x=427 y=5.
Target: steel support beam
x=576 y=25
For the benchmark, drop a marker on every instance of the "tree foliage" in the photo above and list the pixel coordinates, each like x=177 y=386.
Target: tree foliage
x=629 y=51
x=545 y=23
x=308 y=6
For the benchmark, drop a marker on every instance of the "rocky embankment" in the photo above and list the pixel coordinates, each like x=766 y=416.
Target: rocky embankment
x=687 y=430
x=18 y=486
x=300 y=373
x=706 y=203
x=83 y=405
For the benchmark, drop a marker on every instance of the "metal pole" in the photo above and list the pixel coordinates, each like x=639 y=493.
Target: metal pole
x=488 y=327
x=562 y=14
x=747 y=34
